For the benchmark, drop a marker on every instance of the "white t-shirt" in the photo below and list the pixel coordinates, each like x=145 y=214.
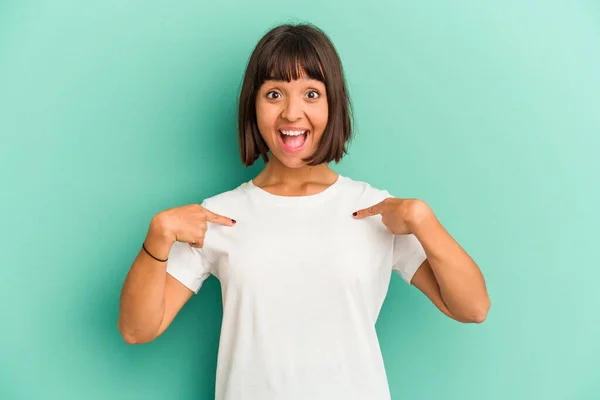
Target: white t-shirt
x=302 y=283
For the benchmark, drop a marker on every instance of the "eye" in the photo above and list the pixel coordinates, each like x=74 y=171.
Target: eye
x=315 y=94
x=271 y=97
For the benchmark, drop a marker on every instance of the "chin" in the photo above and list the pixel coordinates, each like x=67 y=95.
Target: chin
x=293 y=162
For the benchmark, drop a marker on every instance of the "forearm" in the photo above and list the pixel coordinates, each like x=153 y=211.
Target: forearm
x=143 y=293
x=461 y=282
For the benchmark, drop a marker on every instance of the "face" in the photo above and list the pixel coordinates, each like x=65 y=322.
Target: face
x=292 y=117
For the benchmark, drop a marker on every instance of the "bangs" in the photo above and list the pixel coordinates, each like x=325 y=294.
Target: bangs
x=293 y=57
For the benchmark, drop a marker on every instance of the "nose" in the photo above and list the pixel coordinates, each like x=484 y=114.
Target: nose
x=292 y=110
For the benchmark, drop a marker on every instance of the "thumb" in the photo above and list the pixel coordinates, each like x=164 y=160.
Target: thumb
x=218 y=219
x=367 y=212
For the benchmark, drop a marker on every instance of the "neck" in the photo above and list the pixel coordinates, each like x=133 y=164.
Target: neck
x=276 y=173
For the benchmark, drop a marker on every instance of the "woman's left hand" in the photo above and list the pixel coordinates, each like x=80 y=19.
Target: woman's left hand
x=398 y=215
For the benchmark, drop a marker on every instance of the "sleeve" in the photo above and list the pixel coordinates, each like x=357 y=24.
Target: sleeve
x=408 y=254
x=189 y=265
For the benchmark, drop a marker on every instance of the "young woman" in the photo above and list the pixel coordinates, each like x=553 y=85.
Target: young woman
x=304 y=255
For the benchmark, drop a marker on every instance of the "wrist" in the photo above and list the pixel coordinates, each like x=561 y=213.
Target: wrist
x=159 y=230
x=419 y=215
x=158 y=240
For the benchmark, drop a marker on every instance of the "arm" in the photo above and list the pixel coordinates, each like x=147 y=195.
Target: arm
x=449 y=277
x=150 y=298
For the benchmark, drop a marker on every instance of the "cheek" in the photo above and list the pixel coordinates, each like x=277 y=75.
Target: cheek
x=264 y=119
x=319 y=117
x=266 y=115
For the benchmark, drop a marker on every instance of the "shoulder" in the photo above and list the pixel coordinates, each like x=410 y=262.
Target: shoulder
x=363 y=191
x=227 y=199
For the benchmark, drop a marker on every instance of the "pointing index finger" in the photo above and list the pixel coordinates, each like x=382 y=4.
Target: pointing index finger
x=218 y=219
x=366 y=212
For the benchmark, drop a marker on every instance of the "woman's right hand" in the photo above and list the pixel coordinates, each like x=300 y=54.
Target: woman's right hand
x=188 y=223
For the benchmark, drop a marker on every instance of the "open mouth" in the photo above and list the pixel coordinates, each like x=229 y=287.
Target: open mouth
x=293 y=141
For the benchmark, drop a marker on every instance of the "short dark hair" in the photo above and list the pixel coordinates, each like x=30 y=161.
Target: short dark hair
x=288 y=52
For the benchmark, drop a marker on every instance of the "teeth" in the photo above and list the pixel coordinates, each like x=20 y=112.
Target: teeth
x=292 y=133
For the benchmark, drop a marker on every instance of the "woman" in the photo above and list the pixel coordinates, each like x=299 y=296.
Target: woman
x=304 y=255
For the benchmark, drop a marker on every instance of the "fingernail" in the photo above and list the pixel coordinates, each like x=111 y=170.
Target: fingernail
x=233 y=220
x=354 y=214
